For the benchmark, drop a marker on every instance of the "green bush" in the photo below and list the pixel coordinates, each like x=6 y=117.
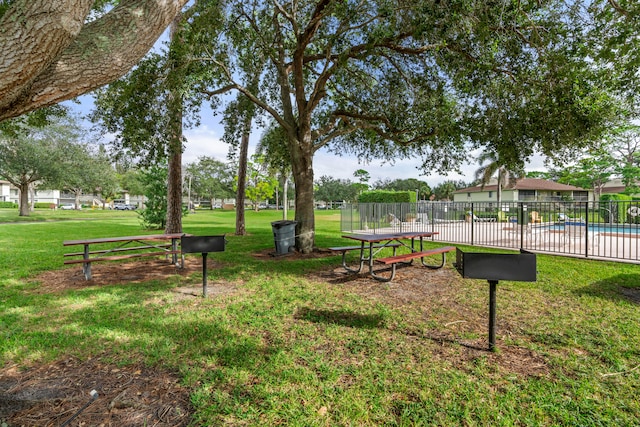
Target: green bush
x=8 y=205
x=619 y=210
x=381 y=196
x=615 y=197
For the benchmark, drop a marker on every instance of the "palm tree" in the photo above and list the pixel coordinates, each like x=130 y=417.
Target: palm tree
x=507 y=174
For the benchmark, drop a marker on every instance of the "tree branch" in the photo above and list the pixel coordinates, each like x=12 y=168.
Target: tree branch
x=19 y=44
x=102 y=51
x=619 y=8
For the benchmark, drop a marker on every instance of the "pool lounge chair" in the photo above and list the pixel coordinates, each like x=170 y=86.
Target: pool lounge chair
x=483 y=219
x=535 y=217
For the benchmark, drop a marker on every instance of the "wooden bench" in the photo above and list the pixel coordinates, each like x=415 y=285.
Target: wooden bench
x=345 y=249
x=146 y=248
x=403 y=258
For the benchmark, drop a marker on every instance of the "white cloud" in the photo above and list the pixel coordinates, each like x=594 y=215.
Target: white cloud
x=204 y=141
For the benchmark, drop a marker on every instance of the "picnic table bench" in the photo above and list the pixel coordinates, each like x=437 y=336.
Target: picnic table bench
x=148 y=245
x=393 y=260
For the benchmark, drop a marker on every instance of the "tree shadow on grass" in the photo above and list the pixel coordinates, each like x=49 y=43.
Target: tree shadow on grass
x=341 y=317
x=620 y=287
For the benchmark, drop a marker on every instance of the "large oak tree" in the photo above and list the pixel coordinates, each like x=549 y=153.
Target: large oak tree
x=392 y=79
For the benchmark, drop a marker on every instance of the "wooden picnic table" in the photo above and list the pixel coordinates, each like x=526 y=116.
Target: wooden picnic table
x=372 y=244
x=157 y=243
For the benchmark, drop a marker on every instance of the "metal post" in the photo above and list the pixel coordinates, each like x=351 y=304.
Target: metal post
x=522 y=225
x=86 y=266
x=472 y=221
x=492 y=314
x=174 y=249
x=433 y=220
x=586 y=229
x=204 y=274
x=94 y=396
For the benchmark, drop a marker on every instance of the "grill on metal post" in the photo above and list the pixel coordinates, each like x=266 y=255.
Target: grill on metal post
x=203 y=245
x=494 y=267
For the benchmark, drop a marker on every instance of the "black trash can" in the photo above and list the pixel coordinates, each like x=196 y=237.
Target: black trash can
x=284 y=236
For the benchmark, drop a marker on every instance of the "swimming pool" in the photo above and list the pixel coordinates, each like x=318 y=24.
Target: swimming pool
x=603 y=228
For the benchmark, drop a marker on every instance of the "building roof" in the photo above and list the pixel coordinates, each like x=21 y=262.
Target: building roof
x=523 y=184
x=613 y=186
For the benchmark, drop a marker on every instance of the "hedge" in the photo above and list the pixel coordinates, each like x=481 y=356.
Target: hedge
x=615 y=197
x=619 y=212
x=381 y=196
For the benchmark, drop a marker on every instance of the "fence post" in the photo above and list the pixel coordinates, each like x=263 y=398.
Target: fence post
x=586 y=230
x=521 y=215
x=473 y=213
x=433 y=218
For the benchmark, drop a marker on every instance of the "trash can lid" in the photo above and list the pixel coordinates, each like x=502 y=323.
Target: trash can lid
x=283 y=222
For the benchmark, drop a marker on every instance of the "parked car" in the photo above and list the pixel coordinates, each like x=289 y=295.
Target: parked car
x=124 y=207
x=69 y=207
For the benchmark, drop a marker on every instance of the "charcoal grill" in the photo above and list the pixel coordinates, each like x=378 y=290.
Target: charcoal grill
x=494 y=267
x=203 y=245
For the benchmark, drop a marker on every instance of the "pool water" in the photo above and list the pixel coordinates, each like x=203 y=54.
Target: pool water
x=604 y=228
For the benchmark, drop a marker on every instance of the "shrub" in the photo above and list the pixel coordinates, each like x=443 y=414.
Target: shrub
x=8 y=205
x=620 y=209
x=380 y=196
x=43 y=205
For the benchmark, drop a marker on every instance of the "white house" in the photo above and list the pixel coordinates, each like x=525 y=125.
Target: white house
x=524 y=190
x=5 y=191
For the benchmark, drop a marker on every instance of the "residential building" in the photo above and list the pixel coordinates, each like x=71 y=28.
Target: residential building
x=5 y=191
x=524 y=190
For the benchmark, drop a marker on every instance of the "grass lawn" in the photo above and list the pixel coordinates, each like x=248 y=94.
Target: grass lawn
x=293 y=345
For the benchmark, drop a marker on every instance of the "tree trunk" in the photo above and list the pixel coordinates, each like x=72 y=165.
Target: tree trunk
x=174 y=193
x=242 y=179
x=302 y=167
x=175 y=105
x=24 y=199
x=32 y=197
x=50 y=55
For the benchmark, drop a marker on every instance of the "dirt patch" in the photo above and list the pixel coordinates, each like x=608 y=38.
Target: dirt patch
x=442 y=295
x=48 y=395
x=105 y=274
x=632 y=294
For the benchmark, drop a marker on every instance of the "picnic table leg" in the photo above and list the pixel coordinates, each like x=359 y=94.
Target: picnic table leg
x=433 y=267
x=86 y=266
x=373 y=273
x=361 y=261
x=382 y=278
x=174 y=249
